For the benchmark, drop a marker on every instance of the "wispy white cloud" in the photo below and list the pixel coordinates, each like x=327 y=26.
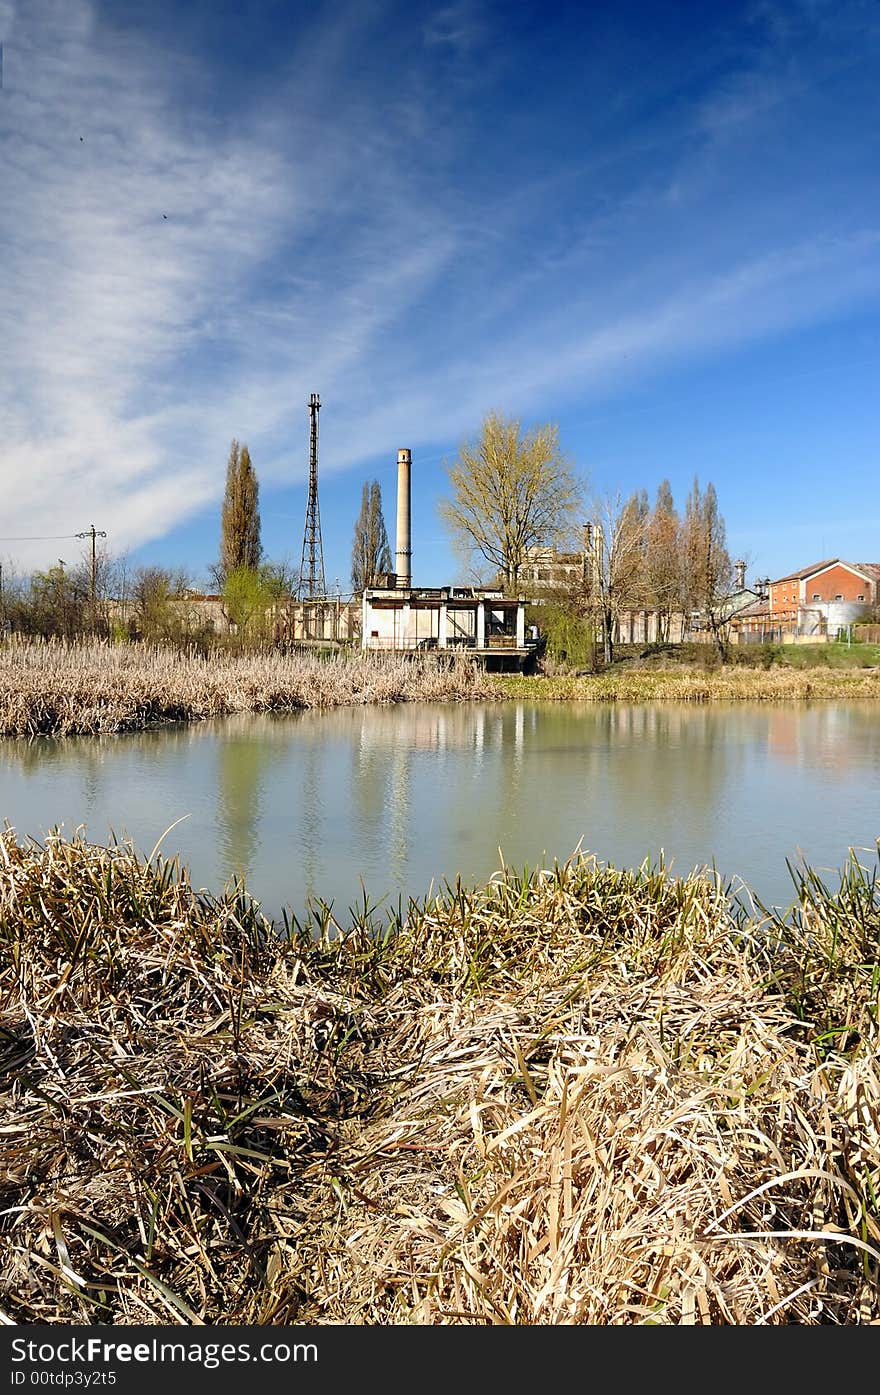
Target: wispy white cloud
x=176 y=273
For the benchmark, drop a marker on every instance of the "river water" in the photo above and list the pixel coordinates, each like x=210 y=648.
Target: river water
x=391 y=801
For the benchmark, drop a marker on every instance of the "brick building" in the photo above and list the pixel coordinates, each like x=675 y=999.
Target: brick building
x=815 y=602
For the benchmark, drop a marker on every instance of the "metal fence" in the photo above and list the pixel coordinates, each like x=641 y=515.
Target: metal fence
x=768 y=634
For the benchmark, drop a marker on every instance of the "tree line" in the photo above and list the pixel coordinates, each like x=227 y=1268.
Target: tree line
x=153 y=602
x=513 y=492
x=643 y=557
x=160 y=603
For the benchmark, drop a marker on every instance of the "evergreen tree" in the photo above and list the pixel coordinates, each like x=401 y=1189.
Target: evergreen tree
x=370 y=553
x=240 y=520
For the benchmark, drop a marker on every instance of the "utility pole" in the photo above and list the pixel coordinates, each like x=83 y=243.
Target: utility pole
x=92 y=533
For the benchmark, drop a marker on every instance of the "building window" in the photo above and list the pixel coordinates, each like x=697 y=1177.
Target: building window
x=860 y=598
x=838 y=597
x=817 y=596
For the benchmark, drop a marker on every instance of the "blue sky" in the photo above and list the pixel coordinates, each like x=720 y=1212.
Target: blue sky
x=657 y=225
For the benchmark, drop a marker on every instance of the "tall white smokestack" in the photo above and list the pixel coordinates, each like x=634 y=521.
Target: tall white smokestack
x=403 y=565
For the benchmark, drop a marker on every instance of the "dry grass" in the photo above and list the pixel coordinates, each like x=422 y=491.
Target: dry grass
x=577 y=1096
x=92 y=687
x=692 y=685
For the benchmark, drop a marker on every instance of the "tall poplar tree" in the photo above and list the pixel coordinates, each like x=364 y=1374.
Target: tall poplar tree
x=708 y=572
x=663 y=565
x=240 y=544
x=370 y=553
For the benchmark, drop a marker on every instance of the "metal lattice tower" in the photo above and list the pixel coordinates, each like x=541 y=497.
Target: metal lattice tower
x=311 y=567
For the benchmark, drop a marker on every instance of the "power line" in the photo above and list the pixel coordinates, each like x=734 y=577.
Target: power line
x=46 y=537
x=92 y=533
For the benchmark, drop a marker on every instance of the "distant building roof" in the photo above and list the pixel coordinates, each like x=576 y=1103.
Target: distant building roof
x=756 y=609
x=739 y=601
x=868 y=569
x=808 y=571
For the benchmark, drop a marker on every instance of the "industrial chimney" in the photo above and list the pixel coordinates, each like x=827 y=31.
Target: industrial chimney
x=740 y=571
x=404 y=551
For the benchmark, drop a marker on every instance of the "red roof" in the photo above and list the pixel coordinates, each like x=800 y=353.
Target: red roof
x=807 y=571
x=868 y=569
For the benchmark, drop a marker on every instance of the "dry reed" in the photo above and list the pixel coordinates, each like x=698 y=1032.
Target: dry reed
x=693 y=685
x=93 y=687
x=574 y=1096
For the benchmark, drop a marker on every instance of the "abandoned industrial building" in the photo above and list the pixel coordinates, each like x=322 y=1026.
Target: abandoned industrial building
x=398 y=617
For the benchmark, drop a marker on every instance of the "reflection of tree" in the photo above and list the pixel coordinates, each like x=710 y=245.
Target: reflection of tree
x=311 y=814
x=400 y=811
x=623 y=781
x=680 y=763
x=87 y=774
x=79 y=753
x=244 y=757
x=381 y=747
x=371 y=742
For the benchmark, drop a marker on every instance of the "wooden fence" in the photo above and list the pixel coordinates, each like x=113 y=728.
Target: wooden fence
x=866 y=634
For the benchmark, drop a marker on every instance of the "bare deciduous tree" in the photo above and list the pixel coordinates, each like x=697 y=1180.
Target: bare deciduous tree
x=511 y=491
x=708 y=573
x=615 y=561
x=663 y=568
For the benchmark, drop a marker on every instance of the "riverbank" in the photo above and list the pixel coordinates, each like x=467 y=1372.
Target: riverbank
x=92 y=687
x=578 y=1096
x=677 y=684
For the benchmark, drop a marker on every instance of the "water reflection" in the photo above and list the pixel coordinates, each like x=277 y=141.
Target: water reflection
x=397 y=799
x=244 y=760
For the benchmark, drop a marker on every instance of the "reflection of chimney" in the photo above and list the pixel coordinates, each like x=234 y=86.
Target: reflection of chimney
x=740 y=573
x=404 y=551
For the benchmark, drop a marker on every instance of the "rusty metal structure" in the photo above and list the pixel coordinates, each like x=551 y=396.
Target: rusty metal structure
x=312 y=584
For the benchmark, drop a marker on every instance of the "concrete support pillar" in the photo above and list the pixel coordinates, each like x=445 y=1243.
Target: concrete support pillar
x=441 y=633
x=520 y=626
x=364 y=631
x=481 y=624
x=404 y=625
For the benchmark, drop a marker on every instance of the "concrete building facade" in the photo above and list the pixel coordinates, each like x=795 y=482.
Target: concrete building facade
x=483 y=623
